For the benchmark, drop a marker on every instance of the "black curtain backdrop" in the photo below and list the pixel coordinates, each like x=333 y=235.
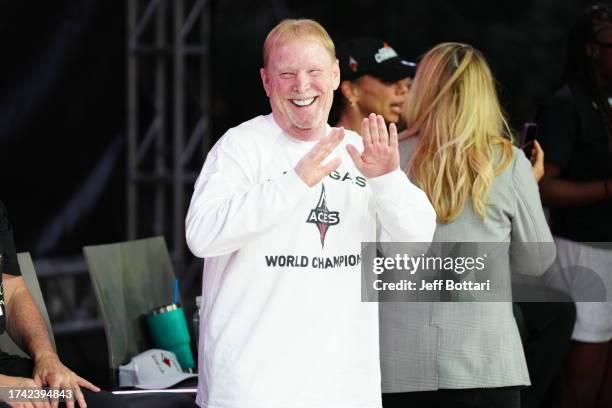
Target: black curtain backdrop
x=63 y=95
x=524 y=42
x=62 y=125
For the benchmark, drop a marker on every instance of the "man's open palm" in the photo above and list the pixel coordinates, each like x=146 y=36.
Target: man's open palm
x=380 y=152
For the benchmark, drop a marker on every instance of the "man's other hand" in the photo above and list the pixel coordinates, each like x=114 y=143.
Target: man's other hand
x=380 y=148
x=310 y=168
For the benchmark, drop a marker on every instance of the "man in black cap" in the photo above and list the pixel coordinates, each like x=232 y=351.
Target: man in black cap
x=374 y=79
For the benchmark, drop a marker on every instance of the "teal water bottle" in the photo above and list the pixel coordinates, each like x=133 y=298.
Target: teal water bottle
x=169 y=331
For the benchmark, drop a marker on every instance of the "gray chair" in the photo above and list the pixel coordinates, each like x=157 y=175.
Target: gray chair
x=29 y=276
x=129 y=280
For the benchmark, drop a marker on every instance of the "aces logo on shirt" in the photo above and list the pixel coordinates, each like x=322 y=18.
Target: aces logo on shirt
x=323 y=217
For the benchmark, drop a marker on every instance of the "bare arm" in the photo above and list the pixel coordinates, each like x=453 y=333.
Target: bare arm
x=27 y=328
x=24 y=322
x=557 y=192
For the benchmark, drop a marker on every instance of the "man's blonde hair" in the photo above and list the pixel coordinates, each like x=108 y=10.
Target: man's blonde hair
x=465 y=140
x=292 y=29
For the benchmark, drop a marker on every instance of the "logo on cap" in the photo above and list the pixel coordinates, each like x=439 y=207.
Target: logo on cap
x=353 y=64
x=384 y=53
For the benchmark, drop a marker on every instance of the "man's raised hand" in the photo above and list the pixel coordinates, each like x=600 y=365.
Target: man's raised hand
x=380 y=152
x=310 y=168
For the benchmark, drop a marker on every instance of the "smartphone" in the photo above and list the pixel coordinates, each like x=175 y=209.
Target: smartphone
x=529 y=134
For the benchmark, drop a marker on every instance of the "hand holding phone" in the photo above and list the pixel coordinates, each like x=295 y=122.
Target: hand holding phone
x=528 y=136
x=532 y=149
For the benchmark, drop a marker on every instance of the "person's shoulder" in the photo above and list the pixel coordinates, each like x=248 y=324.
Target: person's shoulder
x=518 y=158
x=563 y=93
x=258 y=123
x=351 y=136
x=408 y=144
x=521 y=167
x=564 y=97
x=258 y=126
x=246 y=134
x=516 y=177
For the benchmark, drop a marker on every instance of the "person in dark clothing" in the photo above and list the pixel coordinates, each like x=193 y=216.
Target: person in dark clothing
x=546 y=328
x=576 y=133
x=21 y=318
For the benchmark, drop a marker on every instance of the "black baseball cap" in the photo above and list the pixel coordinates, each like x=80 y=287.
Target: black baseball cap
x=368 y=56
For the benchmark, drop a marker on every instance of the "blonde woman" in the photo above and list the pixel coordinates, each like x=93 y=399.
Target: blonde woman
x=457 y=149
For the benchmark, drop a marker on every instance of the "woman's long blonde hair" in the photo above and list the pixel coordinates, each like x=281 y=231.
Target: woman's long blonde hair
x=465 y=140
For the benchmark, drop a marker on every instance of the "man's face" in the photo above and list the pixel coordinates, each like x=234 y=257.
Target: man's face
x=300 y=80
x=383 y=98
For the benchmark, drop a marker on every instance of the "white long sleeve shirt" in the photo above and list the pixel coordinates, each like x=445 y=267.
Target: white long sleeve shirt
x=282 y=324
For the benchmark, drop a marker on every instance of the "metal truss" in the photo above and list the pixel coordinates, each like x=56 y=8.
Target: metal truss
x=168 y=115
x=69 y=297
x=168 y=134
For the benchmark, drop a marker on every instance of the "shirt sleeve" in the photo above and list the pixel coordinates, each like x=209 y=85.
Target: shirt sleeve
x=8 y=262
x=402 y=209
x=532 y=249
x=558 y=128
x=229 y=208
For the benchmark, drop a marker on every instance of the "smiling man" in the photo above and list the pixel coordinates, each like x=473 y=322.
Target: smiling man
x=300 y=86
x=281 y=233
